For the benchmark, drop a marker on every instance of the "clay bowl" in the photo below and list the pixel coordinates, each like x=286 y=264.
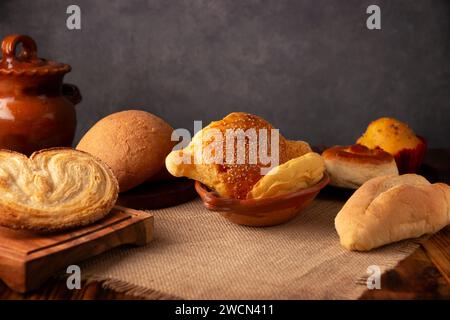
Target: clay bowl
x=260 y=212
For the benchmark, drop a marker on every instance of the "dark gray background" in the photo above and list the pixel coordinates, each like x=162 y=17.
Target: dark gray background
x=310 y=67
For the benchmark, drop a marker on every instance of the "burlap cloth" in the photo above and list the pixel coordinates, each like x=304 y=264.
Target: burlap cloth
x=197 y=254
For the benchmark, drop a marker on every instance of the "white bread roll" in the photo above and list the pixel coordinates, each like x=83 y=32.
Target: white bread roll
x=392 y=208
x=351 y=166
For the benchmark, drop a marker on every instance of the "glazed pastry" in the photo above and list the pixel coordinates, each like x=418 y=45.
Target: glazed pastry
x=294 y=175
x=392 y=208
x=351 y=166
x=54 y=189
x=133 y=143
x=232 y=179
x=396 y=138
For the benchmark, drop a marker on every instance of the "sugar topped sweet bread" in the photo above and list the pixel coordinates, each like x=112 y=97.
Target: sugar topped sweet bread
x=54 y=189
x=219 y=168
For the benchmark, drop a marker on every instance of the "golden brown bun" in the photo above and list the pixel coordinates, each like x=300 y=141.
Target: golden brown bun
x=389 y=134
x=231 y=180
x=133 y=143
x=351 y=166
x=392 y=208
x=54 y=189
x=398 y=139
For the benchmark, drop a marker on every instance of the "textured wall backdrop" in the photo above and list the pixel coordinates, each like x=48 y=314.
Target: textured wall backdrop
x=309 y=66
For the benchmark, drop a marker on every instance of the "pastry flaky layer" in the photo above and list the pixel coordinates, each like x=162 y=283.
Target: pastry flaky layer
x=392 y=208
x=54 y=189
x=212 y=166
x=298 y=173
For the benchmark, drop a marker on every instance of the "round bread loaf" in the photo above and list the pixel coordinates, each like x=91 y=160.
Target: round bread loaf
x=351 y=166
x=133 y=143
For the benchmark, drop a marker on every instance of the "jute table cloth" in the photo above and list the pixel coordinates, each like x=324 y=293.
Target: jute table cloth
x=197 y=254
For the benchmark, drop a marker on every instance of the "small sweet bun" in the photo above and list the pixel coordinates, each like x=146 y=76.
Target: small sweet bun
x=351 y=166
x=399 y=140
x=133 y=143
x=54 y=189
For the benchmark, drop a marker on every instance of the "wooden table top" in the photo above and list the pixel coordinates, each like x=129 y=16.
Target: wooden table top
x=425 y=274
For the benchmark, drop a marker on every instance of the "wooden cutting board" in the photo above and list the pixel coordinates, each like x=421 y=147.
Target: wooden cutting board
x=27 y=259
x=158 y=194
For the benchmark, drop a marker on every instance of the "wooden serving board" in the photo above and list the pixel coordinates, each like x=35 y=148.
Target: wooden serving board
x=159 y=194
x=28 y=259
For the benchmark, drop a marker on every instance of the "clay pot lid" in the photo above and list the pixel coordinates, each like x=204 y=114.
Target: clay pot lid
x=26 y=62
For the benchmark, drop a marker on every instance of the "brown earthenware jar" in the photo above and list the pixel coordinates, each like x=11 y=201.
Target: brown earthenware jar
x=36 y=108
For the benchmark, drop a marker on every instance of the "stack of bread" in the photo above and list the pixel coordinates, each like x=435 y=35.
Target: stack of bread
x=61 y=188
x=298 y=166
x=386 y=207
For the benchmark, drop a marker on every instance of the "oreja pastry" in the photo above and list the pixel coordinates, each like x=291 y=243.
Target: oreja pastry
x=396 y=138
x=54 y=189
x=351 y=166
x=232 y=167
x=133 y=143
x=299 y=173
x=392 y=208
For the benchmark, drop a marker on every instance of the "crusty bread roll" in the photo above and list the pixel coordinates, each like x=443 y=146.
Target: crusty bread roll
x=133 y=143
x=351 y=166
x=392 y=208
x=54 y=189
x=233 y=180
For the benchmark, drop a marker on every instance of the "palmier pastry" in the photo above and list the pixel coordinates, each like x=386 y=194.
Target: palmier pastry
x=227 y=166
x=392 y=208
x=351 y=166
x=54 y=189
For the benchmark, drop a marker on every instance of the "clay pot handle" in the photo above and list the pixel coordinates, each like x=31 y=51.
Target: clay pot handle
x=10 y=43
x=71 y=92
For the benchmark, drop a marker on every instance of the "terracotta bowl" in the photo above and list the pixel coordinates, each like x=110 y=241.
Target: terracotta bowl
x=260 y=212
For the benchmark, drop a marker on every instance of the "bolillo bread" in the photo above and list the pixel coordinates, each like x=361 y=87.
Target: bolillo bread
x=392 y=208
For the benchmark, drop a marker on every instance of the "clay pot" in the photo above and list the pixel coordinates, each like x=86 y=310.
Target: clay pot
x=37 y=110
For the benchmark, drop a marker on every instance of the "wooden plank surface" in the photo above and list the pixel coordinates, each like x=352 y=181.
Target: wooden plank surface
x=422 y=275
x=416 y=277
x=28 y=259
x=158 y=194
x=438 y=250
